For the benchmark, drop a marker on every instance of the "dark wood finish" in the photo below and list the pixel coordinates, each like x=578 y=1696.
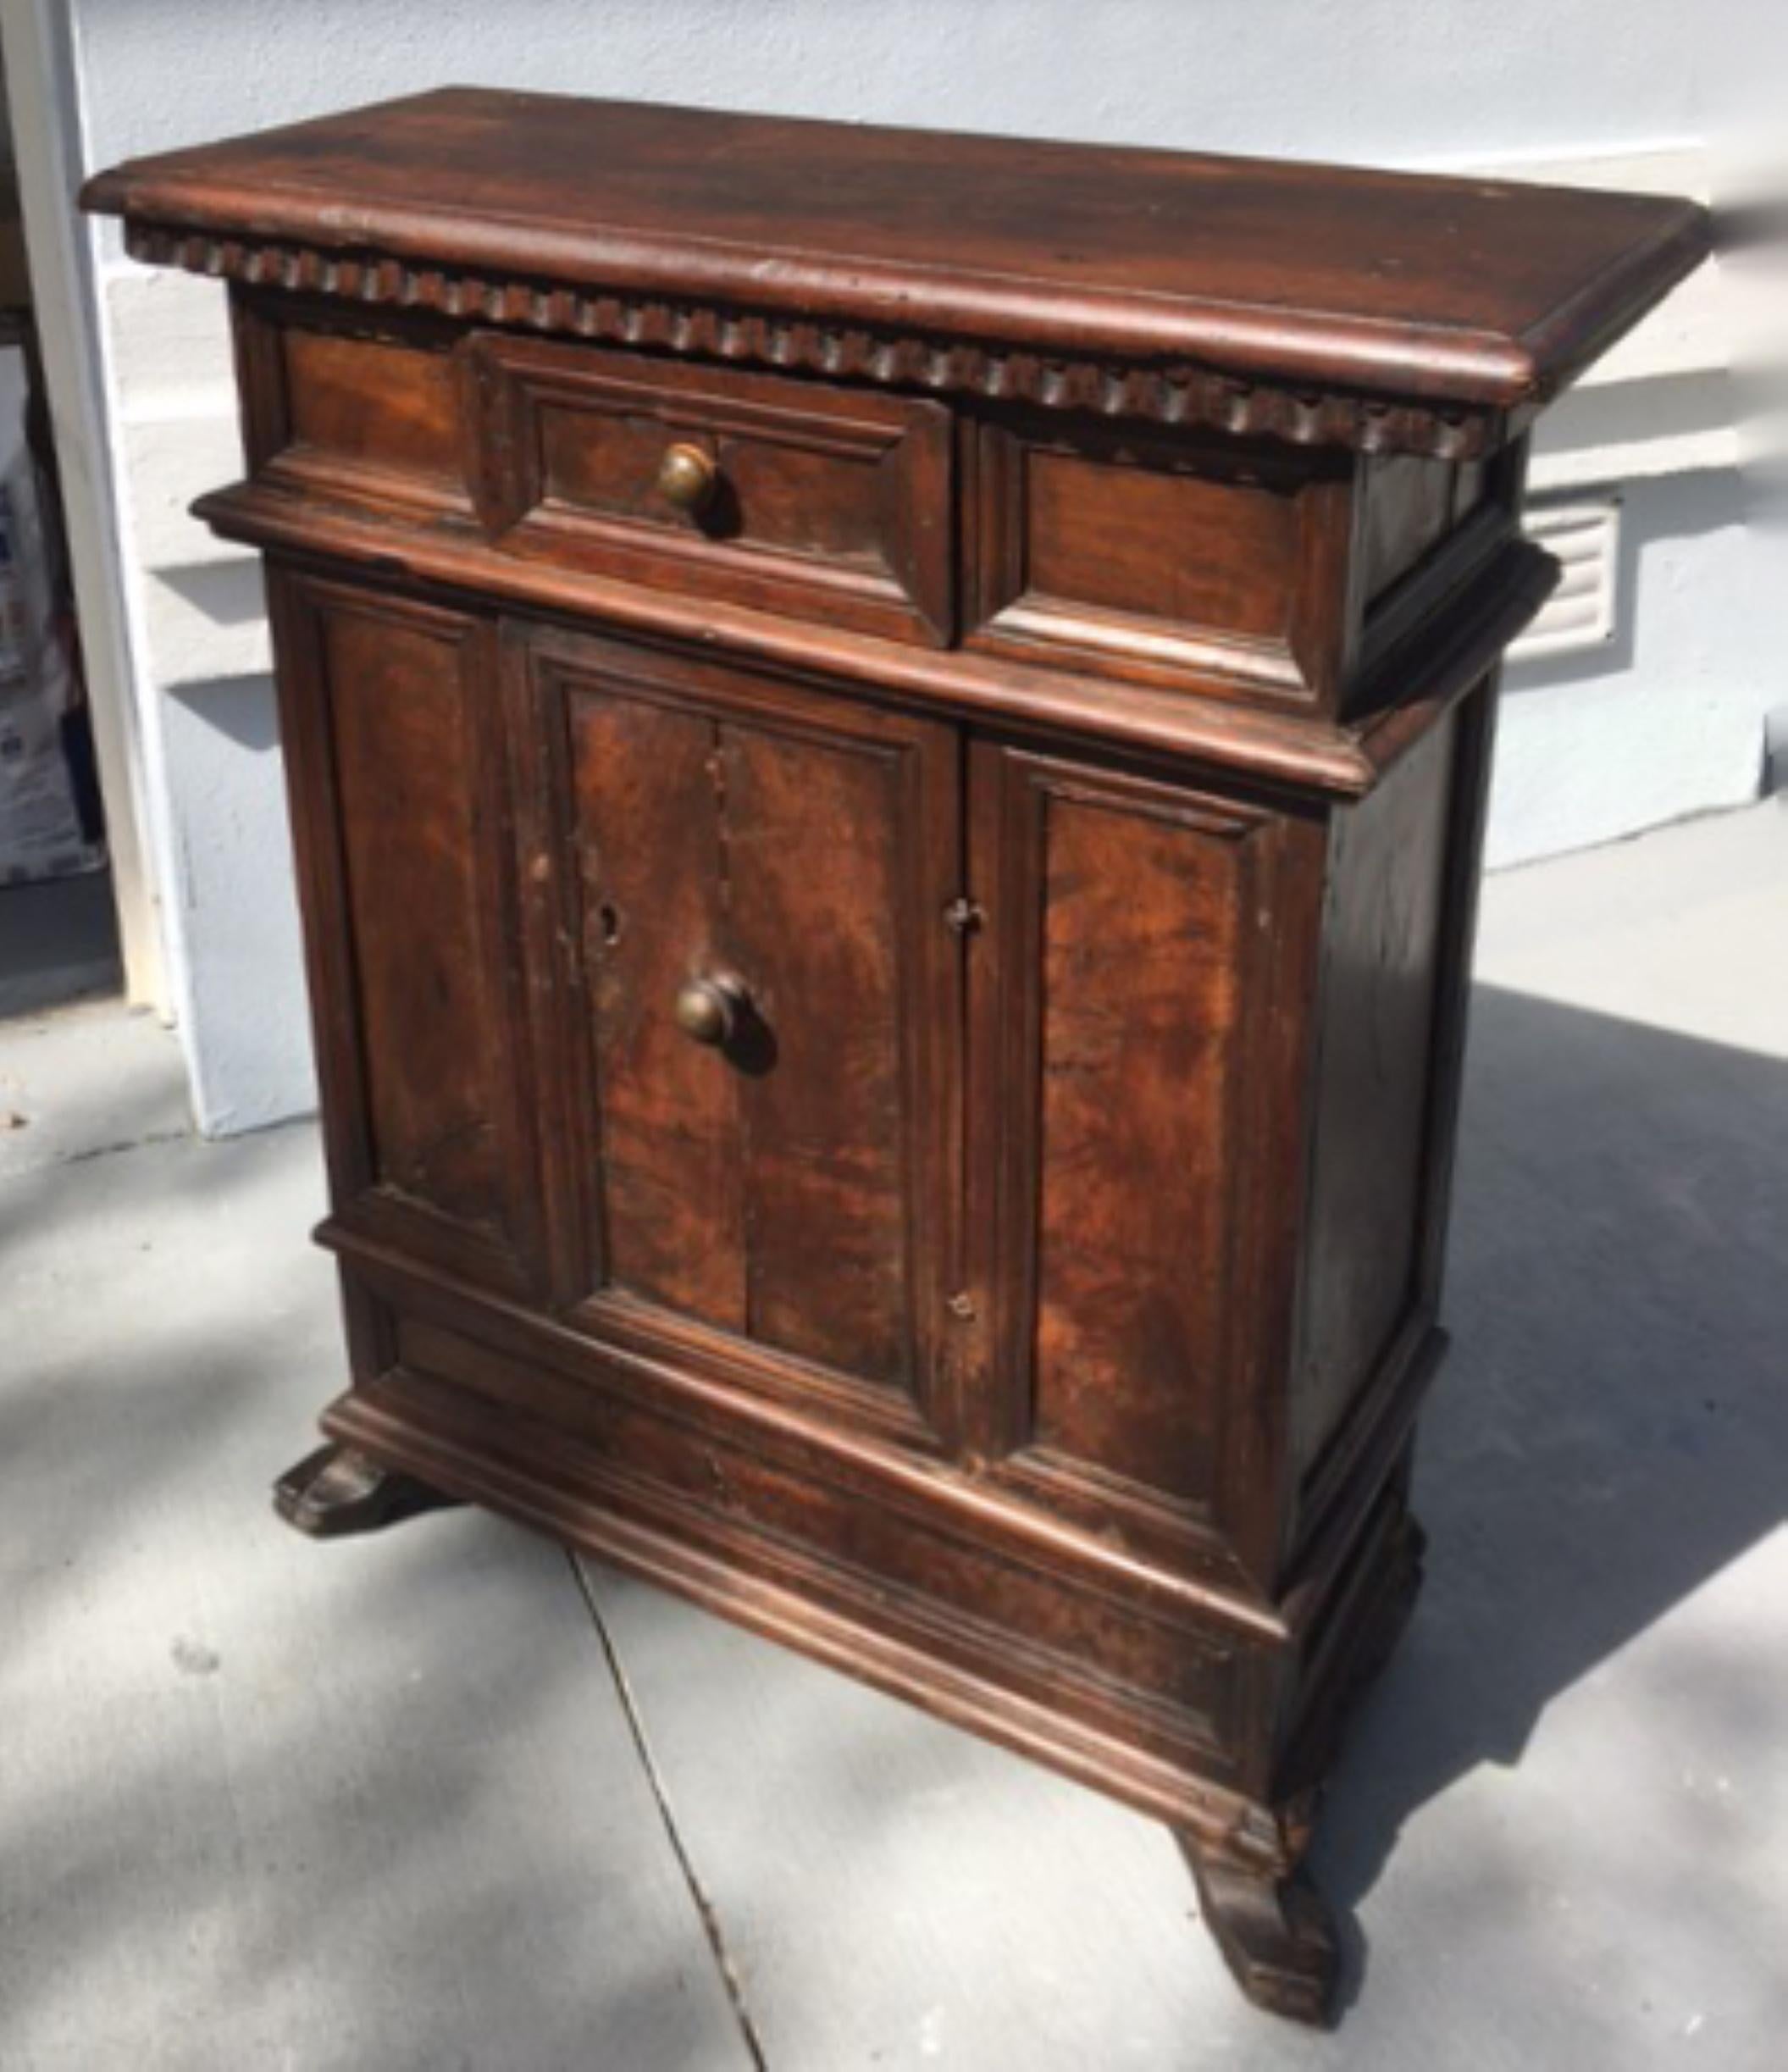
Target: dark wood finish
x=1408 y=506
x=1276 y=1932
x=1382 y=947
x=363 y=416
x=336 y=1491
x=888 y=933
x=1139 y=973
x=1080 y=558
x=825 y=503
x=371 y=403
x=1474 y=602
x=392 y=711
x=1431 y=306
x=1131 y=1016
x=791 y=1188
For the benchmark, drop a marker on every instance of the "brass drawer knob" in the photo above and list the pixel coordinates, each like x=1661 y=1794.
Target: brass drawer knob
x=709 y=1010
x=686 y=477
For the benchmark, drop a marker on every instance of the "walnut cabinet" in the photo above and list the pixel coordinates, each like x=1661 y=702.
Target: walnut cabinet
x=887 y=736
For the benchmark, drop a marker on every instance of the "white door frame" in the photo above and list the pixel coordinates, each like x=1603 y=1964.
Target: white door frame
x=44 y=106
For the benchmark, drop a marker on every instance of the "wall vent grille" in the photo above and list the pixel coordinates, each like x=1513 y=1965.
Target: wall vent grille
x=1580 y=614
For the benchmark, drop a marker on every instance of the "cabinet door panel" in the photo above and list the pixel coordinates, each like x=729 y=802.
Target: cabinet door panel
x=792 y=1188
x=398 y=764
x=1128 y=1051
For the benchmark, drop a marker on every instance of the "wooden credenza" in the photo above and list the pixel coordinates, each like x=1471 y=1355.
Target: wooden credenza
x=888 y=738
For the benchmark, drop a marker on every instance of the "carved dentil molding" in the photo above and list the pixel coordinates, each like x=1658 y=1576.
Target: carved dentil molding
x=1156 y=393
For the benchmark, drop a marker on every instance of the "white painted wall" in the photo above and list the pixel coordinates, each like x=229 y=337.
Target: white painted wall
x=1668 y=722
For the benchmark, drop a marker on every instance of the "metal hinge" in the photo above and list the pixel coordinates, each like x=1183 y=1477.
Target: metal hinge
x=963 y=916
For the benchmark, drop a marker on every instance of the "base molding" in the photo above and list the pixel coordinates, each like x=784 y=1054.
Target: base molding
x=373 y=1420
x=409 y=1439
x=401 y=1432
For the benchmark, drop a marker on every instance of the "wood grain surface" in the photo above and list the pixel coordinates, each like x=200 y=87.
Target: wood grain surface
x=1479 y=291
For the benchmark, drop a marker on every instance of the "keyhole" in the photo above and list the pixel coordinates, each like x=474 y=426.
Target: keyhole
x=608 y=918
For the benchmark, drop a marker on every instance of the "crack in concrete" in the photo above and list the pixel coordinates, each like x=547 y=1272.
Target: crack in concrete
x=704 y=1906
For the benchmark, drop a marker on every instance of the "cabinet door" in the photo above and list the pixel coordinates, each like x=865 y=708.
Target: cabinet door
x=1137 y=1106
x=394 y=742
x=749 y=888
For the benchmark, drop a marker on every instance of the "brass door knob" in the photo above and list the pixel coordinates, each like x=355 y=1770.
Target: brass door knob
x=687 y=476
x=708 y=1010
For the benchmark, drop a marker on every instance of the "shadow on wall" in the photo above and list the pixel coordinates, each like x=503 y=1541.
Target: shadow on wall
x=243 y=709
x=1611 y=1429
x=226 y=593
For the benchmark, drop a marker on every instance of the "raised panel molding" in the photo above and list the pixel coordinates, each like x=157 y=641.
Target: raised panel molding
x=1182 y=908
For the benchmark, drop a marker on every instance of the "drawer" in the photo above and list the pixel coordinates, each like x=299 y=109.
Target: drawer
x=788 y=497
x=1222 y=566
x=354 y=416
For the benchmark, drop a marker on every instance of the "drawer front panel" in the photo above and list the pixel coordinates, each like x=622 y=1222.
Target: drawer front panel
x=1161 y=563
x=792 y=496
x=781 y=1185
x=352 y=415
x=1178 y=550
x=372 y=403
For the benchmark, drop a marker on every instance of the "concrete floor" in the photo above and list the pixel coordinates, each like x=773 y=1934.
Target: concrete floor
x=440 y=1798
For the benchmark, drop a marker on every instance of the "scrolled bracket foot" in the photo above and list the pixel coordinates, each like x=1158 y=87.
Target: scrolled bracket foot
x=338 y=1490
x=1276 y=1933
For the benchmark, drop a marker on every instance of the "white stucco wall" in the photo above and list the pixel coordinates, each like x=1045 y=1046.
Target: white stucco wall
x=1667 y=721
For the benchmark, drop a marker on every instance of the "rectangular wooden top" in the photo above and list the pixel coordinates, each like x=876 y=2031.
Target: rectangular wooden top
x=1475 y=292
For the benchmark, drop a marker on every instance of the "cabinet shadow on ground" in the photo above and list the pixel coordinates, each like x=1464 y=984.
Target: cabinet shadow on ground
x=1608 y=1435
x=1610 y=1429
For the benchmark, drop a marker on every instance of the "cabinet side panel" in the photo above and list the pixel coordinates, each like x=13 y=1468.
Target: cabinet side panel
x=1409 y=505
x=1382 y=964
x=1138 y=1001
x=400 y=692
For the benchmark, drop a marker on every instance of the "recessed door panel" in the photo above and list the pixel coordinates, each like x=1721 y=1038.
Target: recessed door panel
x=814 y=850
x=1138 y=921
x=667 y=1172
x=393 y=726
